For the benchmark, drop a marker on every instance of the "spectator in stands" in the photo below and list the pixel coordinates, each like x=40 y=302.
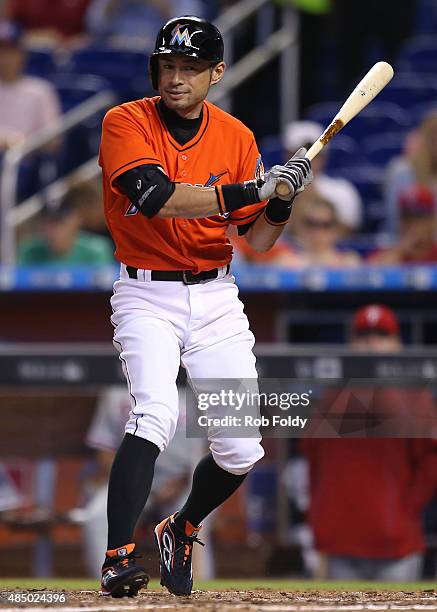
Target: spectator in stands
x=416 y=242
x=27 y=104
x=104 y=436
x=62 y=241
x=316 y=244
x=320 y=231
x=367 y=495
x=281 y=255
x=86 y=197
x=48 y=21
x=131 y=23
x=341 y=192
x=418 y=164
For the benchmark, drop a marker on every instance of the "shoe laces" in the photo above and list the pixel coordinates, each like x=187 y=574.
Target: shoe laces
x=129 y=559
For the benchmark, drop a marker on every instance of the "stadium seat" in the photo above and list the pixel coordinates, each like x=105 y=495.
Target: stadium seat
x=82 y=142
x=420 y=111
x=272 y=151
x=126 y=71
x=408 y=90
x=419 y=55
x=366 y=178
x=322 y=113
x=377 y=118
x=74 y=89
x=40 y=62
x=381 y=148
x=343 y=152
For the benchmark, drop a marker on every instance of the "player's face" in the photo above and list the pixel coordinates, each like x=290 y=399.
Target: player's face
x=184 y=82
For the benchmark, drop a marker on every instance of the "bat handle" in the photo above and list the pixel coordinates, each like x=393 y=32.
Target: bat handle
x=314 y=150
x=282 y=188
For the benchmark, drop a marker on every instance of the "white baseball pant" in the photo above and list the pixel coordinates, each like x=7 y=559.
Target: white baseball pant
x=159 y=324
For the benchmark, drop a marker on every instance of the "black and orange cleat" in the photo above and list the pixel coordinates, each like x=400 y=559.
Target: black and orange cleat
x=121 y=576
x=175 y=552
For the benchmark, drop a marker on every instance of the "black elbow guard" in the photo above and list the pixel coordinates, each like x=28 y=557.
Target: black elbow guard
x=147 y=187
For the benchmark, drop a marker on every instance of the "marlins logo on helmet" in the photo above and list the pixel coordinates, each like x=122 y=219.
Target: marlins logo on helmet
x=183 y=37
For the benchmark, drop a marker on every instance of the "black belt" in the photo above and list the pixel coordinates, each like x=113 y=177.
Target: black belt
x=183 y=276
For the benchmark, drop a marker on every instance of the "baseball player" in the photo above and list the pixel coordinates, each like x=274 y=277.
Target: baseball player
x=177 y=171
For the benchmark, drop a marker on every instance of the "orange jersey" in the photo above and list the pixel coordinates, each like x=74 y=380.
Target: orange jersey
x=222 y=152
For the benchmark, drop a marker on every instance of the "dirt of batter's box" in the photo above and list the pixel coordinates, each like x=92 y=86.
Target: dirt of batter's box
x=256 y=599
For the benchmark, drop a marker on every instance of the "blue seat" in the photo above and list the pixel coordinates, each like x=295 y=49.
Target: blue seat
x=82 y=142
x=323 y=113
x=367 y=178
x=419 y=54
x=343 y=152
x=420 y=111
x=74 y=89
x=381 y=148
x=40 y=62
x=407 y=90
x=377 y=118
x=126 y=71
x=272 y=151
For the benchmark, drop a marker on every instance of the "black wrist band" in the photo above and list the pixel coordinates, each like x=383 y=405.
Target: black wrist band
x=238 y=195
x=277 y=211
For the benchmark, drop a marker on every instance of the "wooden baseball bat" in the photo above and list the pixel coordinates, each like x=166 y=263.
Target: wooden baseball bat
x=368 y=88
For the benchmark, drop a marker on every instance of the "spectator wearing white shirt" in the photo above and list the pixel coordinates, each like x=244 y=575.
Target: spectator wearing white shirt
x=27 y=103
x=339 y=191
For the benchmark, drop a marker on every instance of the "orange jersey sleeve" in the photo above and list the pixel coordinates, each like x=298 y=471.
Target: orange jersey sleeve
x=124 y=146
x=251 y=168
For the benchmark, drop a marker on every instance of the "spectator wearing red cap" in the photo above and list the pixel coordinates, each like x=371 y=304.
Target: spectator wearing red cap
x=375 y=328
x=367 y=494
x=416 y=243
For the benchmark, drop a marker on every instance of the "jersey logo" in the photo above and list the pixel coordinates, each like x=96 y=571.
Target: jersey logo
x=182 y=37
x=213 y=178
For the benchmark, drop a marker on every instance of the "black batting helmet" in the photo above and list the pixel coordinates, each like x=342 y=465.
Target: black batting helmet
x=187 y=35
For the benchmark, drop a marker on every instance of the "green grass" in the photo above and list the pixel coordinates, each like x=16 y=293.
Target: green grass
x=217 y=585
